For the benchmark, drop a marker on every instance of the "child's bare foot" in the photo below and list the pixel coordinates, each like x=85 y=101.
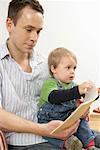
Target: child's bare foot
x=97 y=110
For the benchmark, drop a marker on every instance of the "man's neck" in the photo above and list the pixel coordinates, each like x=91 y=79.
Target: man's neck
x=23 y=59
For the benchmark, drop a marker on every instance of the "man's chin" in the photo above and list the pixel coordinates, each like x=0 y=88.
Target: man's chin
x=29 y=50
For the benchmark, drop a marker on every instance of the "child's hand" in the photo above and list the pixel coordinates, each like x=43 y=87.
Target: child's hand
x=79 y=101
x=85 y=87
x=86 y=115
x=98 y=91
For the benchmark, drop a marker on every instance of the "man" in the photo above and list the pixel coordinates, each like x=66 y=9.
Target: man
x=22 y=72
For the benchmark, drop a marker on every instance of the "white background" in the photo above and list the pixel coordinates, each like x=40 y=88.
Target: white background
x=73 y=24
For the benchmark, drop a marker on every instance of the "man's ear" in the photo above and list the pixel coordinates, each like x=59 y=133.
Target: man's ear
x=9 y=24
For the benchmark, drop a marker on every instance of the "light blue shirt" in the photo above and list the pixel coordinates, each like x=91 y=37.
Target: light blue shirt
x=19 y=92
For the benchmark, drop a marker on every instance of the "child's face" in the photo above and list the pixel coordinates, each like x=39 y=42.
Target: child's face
x=65 y=71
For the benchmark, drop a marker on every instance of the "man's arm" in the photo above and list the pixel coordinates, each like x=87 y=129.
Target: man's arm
x=11 y=122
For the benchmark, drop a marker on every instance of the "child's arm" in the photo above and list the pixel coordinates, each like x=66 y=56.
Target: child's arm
x=59 y=96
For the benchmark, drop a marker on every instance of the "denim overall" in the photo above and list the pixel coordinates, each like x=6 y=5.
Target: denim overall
x=49 y=112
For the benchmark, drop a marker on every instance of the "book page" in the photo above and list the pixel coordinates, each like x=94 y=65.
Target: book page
x=91 y=94
x=91 y=97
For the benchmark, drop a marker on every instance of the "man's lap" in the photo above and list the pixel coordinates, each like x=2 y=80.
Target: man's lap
x=40 y=146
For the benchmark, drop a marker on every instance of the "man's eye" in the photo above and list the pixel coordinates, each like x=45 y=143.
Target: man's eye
x=38 y=32
x=28 y=30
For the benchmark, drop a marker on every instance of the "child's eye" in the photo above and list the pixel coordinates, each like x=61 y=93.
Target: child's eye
x=68 y=67
x=74 y=67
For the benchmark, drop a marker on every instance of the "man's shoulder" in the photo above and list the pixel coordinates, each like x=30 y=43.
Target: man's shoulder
x=38 y=59
x=40 y=66
x=3 y=50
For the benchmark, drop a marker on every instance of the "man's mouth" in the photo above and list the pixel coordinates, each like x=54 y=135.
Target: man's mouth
x=31 y=46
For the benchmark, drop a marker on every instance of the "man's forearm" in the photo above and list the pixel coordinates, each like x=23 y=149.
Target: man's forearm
x=11 y=122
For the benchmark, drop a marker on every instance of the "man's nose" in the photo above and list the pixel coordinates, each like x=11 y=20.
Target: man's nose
x=34 y=36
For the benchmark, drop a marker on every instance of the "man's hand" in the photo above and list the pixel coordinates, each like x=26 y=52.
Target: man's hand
x=62 y=135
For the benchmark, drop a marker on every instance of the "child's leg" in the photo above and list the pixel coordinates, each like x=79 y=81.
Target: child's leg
x=97 y=139
x=72 y=143
x=85 y=134
x=57 y=142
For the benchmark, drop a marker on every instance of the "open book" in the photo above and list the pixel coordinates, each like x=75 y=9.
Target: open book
x=89 y=98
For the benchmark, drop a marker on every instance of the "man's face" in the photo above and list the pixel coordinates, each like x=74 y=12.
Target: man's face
x=24 y=35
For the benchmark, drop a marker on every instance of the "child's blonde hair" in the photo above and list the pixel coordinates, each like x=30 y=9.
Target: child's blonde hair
x=56 y=55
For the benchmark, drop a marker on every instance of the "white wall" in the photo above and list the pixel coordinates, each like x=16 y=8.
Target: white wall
x=3 y=14
x=73 y=24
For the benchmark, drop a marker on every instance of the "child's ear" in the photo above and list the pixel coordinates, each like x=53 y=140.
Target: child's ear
x=53 y=69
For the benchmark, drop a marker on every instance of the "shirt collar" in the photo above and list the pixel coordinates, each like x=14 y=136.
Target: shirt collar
x=4 y=51
x=36 y=57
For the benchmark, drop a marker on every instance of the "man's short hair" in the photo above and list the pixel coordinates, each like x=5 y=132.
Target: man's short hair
x=15 y=7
